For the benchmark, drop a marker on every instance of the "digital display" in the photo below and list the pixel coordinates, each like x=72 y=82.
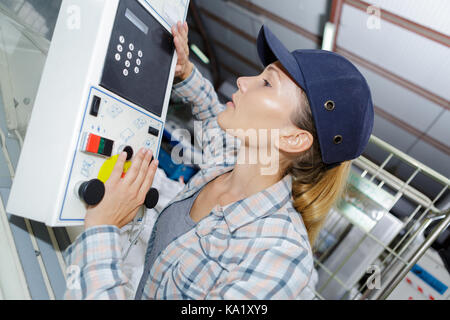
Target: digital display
x=135 y=20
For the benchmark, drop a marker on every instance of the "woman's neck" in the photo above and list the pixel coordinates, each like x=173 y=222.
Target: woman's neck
x=251 y=175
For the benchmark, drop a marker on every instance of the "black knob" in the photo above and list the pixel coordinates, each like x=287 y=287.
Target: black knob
x=92 y=191
x=129 y=151
x=151 y=199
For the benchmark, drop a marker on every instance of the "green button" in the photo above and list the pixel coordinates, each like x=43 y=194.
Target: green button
x=101 y=146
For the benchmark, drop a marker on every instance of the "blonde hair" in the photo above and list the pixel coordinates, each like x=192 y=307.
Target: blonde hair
x=315 y=189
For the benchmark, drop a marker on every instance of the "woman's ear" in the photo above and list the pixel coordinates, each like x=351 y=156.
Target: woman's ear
x=295 y=141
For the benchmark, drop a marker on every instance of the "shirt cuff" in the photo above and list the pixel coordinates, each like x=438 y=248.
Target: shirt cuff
x=98 y=243
x=186 y=81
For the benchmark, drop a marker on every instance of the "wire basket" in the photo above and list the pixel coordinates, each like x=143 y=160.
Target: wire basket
x=376 y=233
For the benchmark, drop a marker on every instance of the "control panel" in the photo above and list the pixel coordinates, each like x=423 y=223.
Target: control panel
x=100 y=137
x=105 y=88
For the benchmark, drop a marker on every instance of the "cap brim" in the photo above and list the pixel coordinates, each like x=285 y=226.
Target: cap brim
x=270 y=49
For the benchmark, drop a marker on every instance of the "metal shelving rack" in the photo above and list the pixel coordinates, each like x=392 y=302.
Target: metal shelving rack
x=397 y=255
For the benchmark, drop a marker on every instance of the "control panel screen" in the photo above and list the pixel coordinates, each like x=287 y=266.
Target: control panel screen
x=139 y=57
x=135 y=20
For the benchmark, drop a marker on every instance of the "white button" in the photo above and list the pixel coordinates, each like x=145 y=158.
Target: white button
x=136 y=70
x=127 y=64
x=117 y=57
x=129 y=55
x=131 y=46
x=125 y=72
x=122 y=39
x=138 y=62
x=119 y=48
x=140 y=54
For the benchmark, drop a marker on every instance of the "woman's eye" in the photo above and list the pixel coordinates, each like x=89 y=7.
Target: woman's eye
x=266 y=83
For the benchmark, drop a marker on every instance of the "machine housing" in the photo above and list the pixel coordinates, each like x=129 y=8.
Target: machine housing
x=106 y=85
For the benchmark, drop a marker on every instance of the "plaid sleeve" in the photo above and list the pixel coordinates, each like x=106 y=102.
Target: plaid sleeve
x=199 y=92
x=94 y=263
x=279 y=272
x=218 y=147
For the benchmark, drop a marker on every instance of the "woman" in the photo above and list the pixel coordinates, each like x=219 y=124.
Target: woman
x=237 y=231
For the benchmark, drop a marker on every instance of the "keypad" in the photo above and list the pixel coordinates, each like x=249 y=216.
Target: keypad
x=130 y=62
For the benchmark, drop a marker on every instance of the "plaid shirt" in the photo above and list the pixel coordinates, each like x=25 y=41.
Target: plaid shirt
x=255 y=248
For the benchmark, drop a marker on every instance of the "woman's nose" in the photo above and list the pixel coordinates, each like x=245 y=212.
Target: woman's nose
x=242 y=83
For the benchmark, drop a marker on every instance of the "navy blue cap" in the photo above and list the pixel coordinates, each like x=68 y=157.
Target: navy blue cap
x=337 y=92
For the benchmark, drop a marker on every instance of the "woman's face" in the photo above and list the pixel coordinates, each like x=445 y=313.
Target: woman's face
x=265 y=101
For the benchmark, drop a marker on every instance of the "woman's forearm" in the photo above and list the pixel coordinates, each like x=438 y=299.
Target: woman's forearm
x=94 y=265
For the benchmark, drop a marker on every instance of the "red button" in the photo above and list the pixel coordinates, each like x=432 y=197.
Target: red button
x=420 y=289
x=93 y=143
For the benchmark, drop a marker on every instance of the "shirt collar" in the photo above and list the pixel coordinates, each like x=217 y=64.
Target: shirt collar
x=246 y=210
x=256 y=206
x=199 y=180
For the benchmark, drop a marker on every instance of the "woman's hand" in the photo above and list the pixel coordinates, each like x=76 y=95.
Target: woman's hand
x=124 y=196
x=180 y=38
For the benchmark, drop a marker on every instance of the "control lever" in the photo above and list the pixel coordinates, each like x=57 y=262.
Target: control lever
x=151 y=199
x=92 y=191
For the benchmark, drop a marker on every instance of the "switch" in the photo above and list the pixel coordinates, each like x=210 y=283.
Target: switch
x=127 y=149
x=98 y=145
x=93 y=143
x=95 y=106
x=101 y=146
x=151 y=199
x=153 y=131
x=107 y=147
x=91 y=191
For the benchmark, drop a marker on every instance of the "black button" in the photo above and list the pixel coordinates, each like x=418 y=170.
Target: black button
x=153 y=131
x=129 y=151
x=95 y=106
x=107 y=149
x=151 y=199
x=92 y=191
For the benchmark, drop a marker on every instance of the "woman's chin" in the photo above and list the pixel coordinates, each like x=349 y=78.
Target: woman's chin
x=222 y=120
x=230 y=105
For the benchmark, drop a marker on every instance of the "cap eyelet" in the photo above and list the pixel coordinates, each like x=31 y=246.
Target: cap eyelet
x=337 y=139
x=329 y=105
